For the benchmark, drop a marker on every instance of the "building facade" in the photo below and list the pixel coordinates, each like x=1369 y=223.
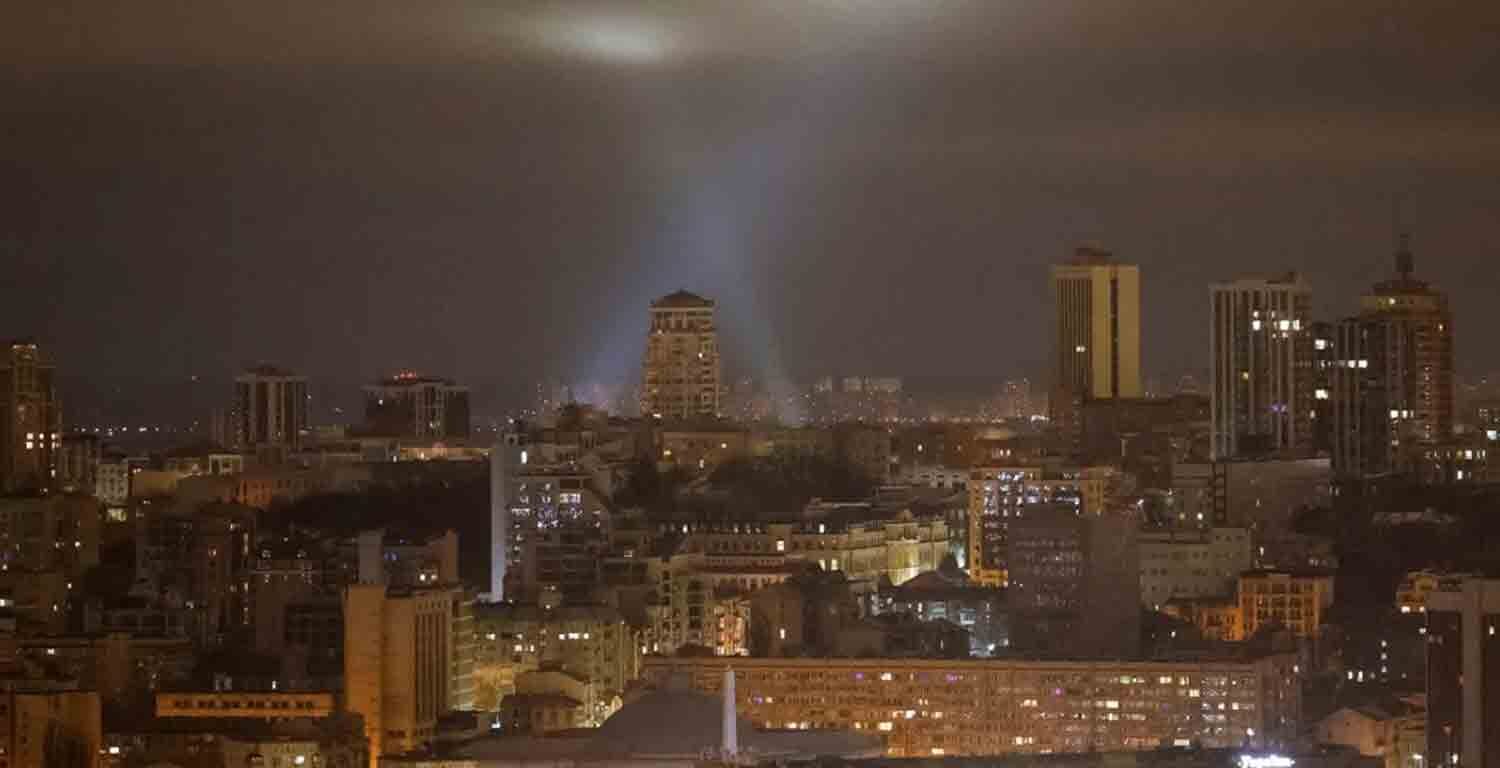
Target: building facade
x=923 y=708
x=1294 y=600
x=592 y=643
x=30 y=419
x=77 y=463
x=1074 y=583
x=1463 y=673
x=680 y=376
x=1393 y=385
x=398 y=652
x=408 y=405
x=1192 y=563
x=998 y=494
x=1261 y=371
x=47 y=724
x=270 y=408
x=1097 y=350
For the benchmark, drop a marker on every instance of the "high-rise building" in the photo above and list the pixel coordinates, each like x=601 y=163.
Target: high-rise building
x=1261 y=375
x=1463 y=673
x=990 y=707
x=408 y=641
x=396 y=663
x=1097 y=350
x=31 y=427
x=1074 y=583
x=548 y=526
x=413 y=406
x=1323 y=355
x=680 y=375
x=270 y=408
x=1393 y=376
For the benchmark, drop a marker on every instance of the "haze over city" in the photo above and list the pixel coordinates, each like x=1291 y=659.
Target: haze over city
x=493 y=192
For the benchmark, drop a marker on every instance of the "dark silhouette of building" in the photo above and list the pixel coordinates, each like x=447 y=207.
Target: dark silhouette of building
x=1463 y=673
x=1074 y=583
x=31 y=427
x=1393 y=377
x=270 y=408
x=420 y=407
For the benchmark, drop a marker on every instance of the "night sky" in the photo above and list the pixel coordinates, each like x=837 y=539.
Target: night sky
x=494 y=190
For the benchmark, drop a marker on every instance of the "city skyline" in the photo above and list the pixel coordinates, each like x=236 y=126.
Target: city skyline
x=333 y=401
x=726 y=384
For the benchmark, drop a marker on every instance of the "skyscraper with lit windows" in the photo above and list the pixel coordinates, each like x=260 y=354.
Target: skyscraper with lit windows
x=680 y=376
x=1261 y=374
x=1393 y=376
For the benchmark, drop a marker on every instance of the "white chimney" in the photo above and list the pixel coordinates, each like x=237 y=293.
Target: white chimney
x=731 y=735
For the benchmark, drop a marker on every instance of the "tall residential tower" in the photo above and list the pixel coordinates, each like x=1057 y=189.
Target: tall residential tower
x=270 y=408
x=1097 y=351
x=1260 y=354
x=680 y=375
x=31 y=427
x=1393 y=376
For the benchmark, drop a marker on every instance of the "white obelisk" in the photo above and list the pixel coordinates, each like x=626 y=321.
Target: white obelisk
x=731 y=736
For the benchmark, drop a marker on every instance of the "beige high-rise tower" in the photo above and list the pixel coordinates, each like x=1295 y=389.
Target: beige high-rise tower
x=680 y=375
x=1097 y=350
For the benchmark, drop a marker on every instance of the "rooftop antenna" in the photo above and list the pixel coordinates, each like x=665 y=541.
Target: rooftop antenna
x=1404 y=262
x=1403 y=256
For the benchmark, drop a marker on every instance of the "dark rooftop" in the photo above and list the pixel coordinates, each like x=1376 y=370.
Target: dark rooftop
x=681 y=300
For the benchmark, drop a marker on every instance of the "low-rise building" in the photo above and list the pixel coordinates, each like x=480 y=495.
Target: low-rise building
x=1294 y=600
x=265 y=705
x=116 y=665
x=1217 y=619
x=927 y=708
x=1392 y=731
x=593 y=643
x=950 y=596
x=1412 y=592
x=998 y=494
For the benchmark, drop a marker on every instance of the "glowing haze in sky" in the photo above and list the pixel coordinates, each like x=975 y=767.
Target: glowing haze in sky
x=495 y=190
